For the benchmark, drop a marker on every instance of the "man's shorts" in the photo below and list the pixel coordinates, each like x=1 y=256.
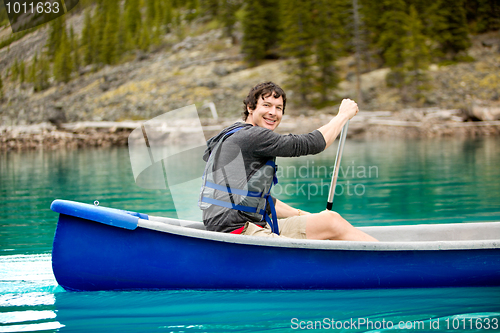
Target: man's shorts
x=291 y=227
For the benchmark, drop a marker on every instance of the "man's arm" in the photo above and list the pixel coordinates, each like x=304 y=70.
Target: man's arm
x=330 y=131
x=283 y=210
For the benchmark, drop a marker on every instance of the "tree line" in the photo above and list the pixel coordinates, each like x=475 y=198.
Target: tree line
x=404 y=35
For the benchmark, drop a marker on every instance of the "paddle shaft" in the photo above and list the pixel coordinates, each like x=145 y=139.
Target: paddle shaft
x=336 y=167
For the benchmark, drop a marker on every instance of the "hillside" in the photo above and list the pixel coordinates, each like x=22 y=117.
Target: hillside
x=206 y=67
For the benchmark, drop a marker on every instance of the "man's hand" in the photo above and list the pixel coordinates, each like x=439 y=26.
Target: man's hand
x=348 y=108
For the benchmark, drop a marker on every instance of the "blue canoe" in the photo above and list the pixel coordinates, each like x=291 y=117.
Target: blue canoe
x=99 y=248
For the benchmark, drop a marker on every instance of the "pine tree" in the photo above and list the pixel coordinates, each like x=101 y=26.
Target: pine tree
x=177 y=24
x=39 y=72
x=429 y=14
x=158 y=21
x=22 y=72
x=42 y=81
x=151 y=11
x=145 y=39
x=63 y=65
x=371 y=13
x=121 y=46
x=87 y=39
x=393 y=31
x=416 y=56
x=326 y=25
x=15 y=70
x=227 y=14
x=297 y=44
x=390 y=39
x=154 y=22
x=109 y=43
x=483 y=15
x=357 y=41
x=74 y=48
x=254 y=32
x=99 y=21
x=168 y=15
x=272 y=26
x=33 y=69
x=192 y=9
x=133 y=23
x=210 y=8
x=261 y=30
x=452 y=31
x=56 y=27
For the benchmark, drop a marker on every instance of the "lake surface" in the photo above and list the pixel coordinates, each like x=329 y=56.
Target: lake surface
x=382 y=182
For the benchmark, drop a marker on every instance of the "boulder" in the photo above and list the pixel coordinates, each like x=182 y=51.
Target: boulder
x=486 y=111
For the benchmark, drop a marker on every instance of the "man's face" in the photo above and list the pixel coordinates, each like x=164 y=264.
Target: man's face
x=267 y=113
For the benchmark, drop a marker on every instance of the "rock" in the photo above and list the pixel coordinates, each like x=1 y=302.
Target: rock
x=206 y=83
x=56 y=115
x=413 y=114
x=486 y=111
x=140 y=56
x=187 y=44
x=220 y=70
x=87 y=69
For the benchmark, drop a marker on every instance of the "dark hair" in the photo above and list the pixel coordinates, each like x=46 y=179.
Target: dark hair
x=262 y=90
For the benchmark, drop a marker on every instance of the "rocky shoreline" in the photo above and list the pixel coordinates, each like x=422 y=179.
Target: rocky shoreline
x=422 y=123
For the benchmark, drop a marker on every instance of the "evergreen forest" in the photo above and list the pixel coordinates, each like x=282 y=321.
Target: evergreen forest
x=403 y=35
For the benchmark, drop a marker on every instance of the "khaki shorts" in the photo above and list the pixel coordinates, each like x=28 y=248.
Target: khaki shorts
x=291 y=227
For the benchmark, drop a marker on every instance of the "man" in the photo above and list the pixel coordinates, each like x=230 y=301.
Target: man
x=240 y=172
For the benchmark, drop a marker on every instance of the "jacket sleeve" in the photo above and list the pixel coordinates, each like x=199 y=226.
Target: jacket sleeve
x=262 y=142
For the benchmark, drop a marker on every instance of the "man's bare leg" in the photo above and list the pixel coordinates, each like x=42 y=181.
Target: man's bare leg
x=330 y=225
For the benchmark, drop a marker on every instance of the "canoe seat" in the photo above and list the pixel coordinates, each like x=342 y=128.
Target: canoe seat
x=182 y=223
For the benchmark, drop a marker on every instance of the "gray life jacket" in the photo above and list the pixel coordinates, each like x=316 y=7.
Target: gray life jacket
x=252 y=200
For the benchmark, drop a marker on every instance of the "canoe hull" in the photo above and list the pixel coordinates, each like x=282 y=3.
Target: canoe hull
x=94 y=256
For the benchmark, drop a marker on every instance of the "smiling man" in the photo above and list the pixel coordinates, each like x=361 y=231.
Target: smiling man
x=235 y=196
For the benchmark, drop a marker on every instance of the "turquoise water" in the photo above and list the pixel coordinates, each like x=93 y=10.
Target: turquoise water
x=381 y=183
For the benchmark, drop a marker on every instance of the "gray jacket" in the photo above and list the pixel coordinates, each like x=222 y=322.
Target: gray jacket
x=240 y=156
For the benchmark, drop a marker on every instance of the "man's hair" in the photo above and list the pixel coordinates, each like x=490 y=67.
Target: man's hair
x=262 y=90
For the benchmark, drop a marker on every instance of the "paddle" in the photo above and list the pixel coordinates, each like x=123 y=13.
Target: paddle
x=336 y=167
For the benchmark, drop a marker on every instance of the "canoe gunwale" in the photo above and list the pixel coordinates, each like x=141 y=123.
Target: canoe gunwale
x=327 y=244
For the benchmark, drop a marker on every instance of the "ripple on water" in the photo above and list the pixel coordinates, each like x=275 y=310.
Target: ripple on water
x=27 y=294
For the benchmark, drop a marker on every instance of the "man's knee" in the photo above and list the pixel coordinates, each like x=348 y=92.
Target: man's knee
x=331 y=216
x=336 y=223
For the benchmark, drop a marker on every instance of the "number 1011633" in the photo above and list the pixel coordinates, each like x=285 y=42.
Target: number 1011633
x=31 y=8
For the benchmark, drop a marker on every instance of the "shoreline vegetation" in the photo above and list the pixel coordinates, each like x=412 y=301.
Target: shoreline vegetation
x=433 y=123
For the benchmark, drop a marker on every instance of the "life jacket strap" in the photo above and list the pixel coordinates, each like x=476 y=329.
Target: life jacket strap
x=274 y=221
x=233 y=206
x=233 y=190
x=275 y=179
